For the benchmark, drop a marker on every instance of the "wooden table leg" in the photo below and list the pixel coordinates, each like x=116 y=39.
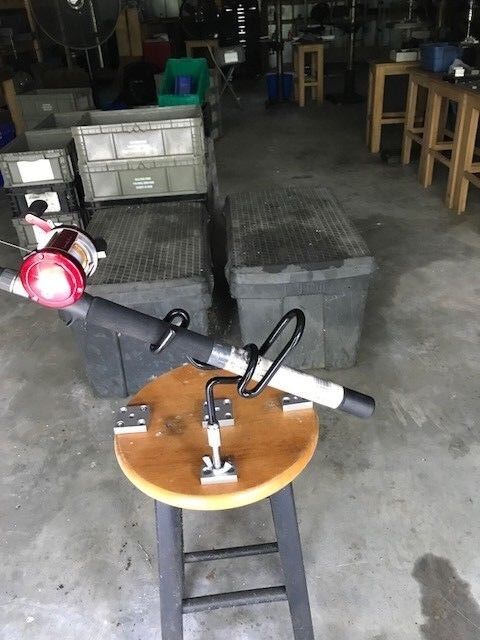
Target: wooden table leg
x=371 y=81
x=455 y=157
x=466 y=150
x=296 y=72
x=34 y=30
x=442 y=120
x=410 y=112
x=121 y=33
x=377 y=111
x=14 y=108
x=301 y=78
x=320 y=75
x=313 y=73
x=134 y=32
x=430 y=134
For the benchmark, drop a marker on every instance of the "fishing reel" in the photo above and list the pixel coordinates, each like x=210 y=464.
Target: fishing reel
x=55 y=274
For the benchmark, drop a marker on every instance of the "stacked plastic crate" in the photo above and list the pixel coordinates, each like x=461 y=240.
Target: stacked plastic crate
x=41 y=165
x=147 y=176
x=141 y=153
x=40 y=103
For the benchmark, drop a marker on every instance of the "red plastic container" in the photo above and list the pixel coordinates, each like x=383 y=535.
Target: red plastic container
x=157 y=52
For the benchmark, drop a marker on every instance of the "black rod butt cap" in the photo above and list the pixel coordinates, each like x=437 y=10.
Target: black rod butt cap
x=357 y=404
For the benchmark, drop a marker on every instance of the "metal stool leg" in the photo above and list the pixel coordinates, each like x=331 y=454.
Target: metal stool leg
x=290 y=551
x=171 y=569
x=227 y=84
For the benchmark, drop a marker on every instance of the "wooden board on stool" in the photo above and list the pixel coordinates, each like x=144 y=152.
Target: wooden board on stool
x=270 y=448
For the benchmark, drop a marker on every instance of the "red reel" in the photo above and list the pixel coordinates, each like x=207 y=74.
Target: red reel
x=56 y=274
x=53 y=278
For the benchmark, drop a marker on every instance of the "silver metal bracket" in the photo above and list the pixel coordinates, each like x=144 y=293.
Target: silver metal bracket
x=226 y=473
x=224 y=412
x=131 y=419
x=293 y=403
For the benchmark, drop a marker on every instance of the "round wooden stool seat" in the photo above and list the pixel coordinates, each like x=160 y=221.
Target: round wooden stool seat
x=270 y=448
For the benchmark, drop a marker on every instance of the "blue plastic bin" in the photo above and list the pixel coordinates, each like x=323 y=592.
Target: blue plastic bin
x=287 y=87
x=194 y=68
x=184 y=85
x=438 y=56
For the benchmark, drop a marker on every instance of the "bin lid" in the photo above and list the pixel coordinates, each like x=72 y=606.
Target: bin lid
x=153 y=246
x=291 y=235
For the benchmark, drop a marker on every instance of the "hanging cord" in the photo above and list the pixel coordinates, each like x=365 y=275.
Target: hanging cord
x=15 y=246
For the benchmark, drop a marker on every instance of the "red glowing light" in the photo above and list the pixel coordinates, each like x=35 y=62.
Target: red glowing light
x=52 y=278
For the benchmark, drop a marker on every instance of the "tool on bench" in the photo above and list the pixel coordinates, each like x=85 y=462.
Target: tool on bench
x=55 y=275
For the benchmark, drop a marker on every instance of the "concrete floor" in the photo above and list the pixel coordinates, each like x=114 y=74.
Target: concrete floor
x=388 y=509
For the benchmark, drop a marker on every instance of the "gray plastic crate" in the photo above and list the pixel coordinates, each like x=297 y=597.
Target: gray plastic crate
x=157 y=259
x=26 y=236
x=61 y=120
x=125 y=179
x=296 y=248
x=149 y=133
x=38 y=104
x=38 y=157
x=60 y=198
x=212 y=98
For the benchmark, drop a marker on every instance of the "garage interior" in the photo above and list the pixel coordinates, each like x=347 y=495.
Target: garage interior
x=387 y=509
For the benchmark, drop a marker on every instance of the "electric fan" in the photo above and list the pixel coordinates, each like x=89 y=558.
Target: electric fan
x=77 y=24
x=199 y=19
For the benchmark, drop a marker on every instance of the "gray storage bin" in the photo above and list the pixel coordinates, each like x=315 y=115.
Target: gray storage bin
x=296 y=248
x=212 y=98
x=60 y=198
x=38 y=104
x=61 y=120
x=153 y=132
x=125 y=179
x=157 y=259
x=38 y=157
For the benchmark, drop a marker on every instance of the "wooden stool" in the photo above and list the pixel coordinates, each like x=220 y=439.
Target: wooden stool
x=412 y=132
x=432 y=137
x=191 y=45
x=315 y=80
x=376 y=117
x=468 y=168
x=270 y=448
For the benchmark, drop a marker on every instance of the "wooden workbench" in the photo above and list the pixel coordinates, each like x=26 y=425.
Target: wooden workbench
x=453 y=148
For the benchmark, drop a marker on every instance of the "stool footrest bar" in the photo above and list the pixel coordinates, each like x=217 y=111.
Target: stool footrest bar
x=234 y=599
x=231 y=552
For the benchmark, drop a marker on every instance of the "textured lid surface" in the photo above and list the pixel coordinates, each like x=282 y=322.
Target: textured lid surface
x=290 y=226
x=151 y=243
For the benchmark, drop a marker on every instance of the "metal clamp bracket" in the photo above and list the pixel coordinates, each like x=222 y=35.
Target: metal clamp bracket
x=223 y=411
x=131 y=419
x=293 y=403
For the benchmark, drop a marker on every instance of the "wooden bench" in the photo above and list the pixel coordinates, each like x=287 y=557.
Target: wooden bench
x=436 y=141
x=469 y=170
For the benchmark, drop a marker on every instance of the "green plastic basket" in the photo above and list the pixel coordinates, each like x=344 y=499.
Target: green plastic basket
x=197 y=68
